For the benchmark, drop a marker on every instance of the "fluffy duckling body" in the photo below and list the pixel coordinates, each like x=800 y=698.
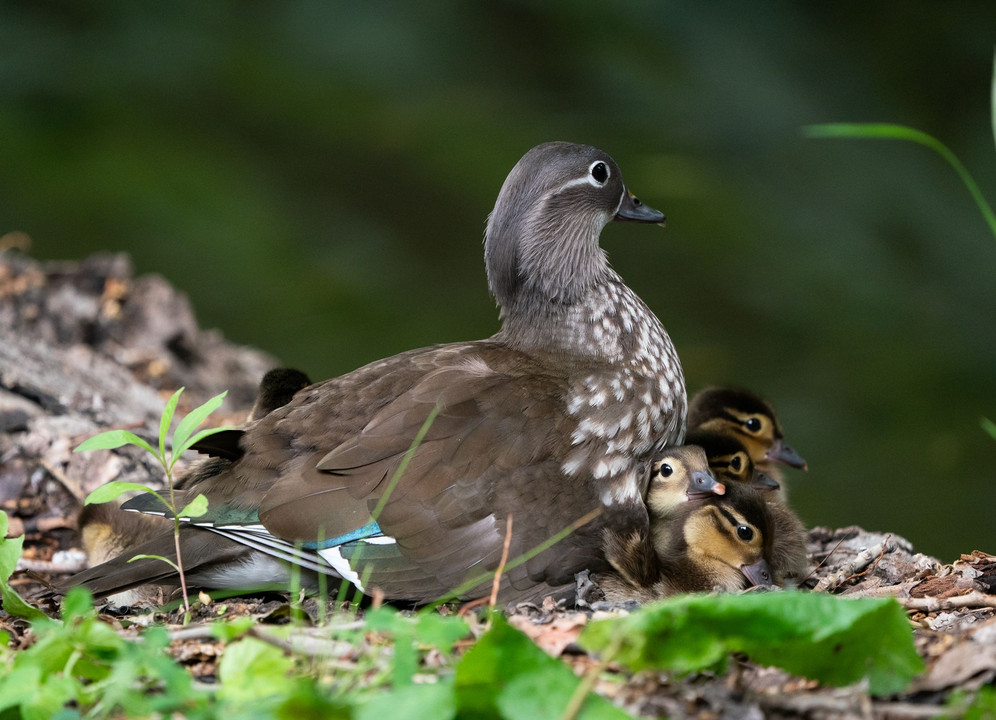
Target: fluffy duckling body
x=731 y=463
x=721 y=542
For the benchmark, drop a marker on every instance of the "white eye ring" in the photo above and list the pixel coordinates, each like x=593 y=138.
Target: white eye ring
x=599 y=173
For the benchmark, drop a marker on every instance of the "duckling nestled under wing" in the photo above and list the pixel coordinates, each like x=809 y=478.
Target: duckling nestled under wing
x=721 y=542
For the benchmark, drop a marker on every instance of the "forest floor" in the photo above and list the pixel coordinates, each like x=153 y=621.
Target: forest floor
x=87 y=346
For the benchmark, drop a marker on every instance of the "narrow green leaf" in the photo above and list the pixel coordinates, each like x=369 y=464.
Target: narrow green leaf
x=193 y=420
x=195 y=508
x=506 y=676
x=890 y=131
x=989 y=426
x=113 y=439
x=179 y=449
x=834 y=640
x=113 y=490
x=166 y=419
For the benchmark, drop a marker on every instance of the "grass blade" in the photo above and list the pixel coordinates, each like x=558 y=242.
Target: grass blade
x=889 y=131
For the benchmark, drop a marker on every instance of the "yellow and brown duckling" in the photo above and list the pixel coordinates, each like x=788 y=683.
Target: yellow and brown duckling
x=731 y=463
x=721 y=542
x=750 y=419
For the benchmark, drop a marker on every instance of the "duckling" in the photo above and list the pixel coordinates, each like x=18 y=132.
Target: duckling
x=730 y=462
x=751 y=420
x=722 y=542
x=678 y=475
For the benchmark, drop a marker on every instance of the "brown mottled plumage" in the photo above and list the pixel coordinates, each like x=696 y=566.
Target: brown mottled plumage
x=555 y=416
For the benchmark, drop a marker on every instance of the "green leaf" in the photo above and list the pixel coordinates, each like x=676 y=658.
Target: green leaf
x=252 y=670
x=113 y=439
x=166 y=419
x=178 y=450
x=834 y=640
x=155 y=557
x=10 y=551
x=506 y=676
x=193 y=419
x=989 y=426
x=113 y=490
x=412 y=702
x=889 y=131
x=440 y=632
x=195 y=508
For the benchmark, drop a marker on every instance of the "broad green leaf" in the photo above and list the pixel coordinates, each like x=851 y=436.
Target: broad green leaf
x=889 y=131
x=989 y=426
x=166 y=420
x=412 y=702
x=193 y=419
x=179 y=449
x=834 y=640
x=251 y=670
x=113 y=439
x=506 y=676
x=195 y=508
x=439 y=631
x=113 y=490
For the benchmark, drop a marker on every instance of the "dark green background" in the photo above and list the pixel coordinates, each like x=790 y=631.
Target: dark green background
x=317 y=175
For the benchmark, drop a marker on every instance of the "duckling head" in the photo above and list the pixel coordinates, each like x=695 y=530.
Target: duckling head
x=748 y=418
x=677 y=475
x=728 y=539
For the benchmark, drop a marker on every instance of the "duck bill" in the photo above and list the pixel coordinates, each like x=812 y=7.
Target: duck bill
x=632 y=210
x=780 y=452
x=757 y=573
x=702 y=485
x=764 y=483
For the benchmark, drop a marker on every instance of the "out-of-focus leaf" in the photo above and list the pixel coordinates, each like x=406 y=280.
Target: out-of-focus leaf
x=989 y=426
x=250 y=670
x=412 y=702
x=195 y=508
x=506 y=676
x=10 y=551
x=834 y=640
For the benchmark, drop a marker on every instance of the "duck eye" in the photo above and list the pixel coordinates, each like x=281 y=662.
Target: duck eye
x=735 y=463
x=745 y=533
x=599 y=172
x=666 y=470
x=753 y=424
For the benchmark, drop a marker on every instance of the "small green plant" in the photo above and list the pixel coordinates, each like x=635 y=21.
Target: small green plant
x=183 y=439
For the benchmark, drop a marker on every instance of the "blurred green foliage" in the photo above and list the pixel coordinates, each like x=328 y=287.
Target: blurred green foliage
x=316 y=176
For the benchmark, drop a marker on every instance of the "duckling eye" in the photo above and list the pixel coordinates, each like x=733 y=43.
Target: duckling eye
x=599 y=172
x=666 y=470
x=735 y=463
x=745 y=533
x=753 y=424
